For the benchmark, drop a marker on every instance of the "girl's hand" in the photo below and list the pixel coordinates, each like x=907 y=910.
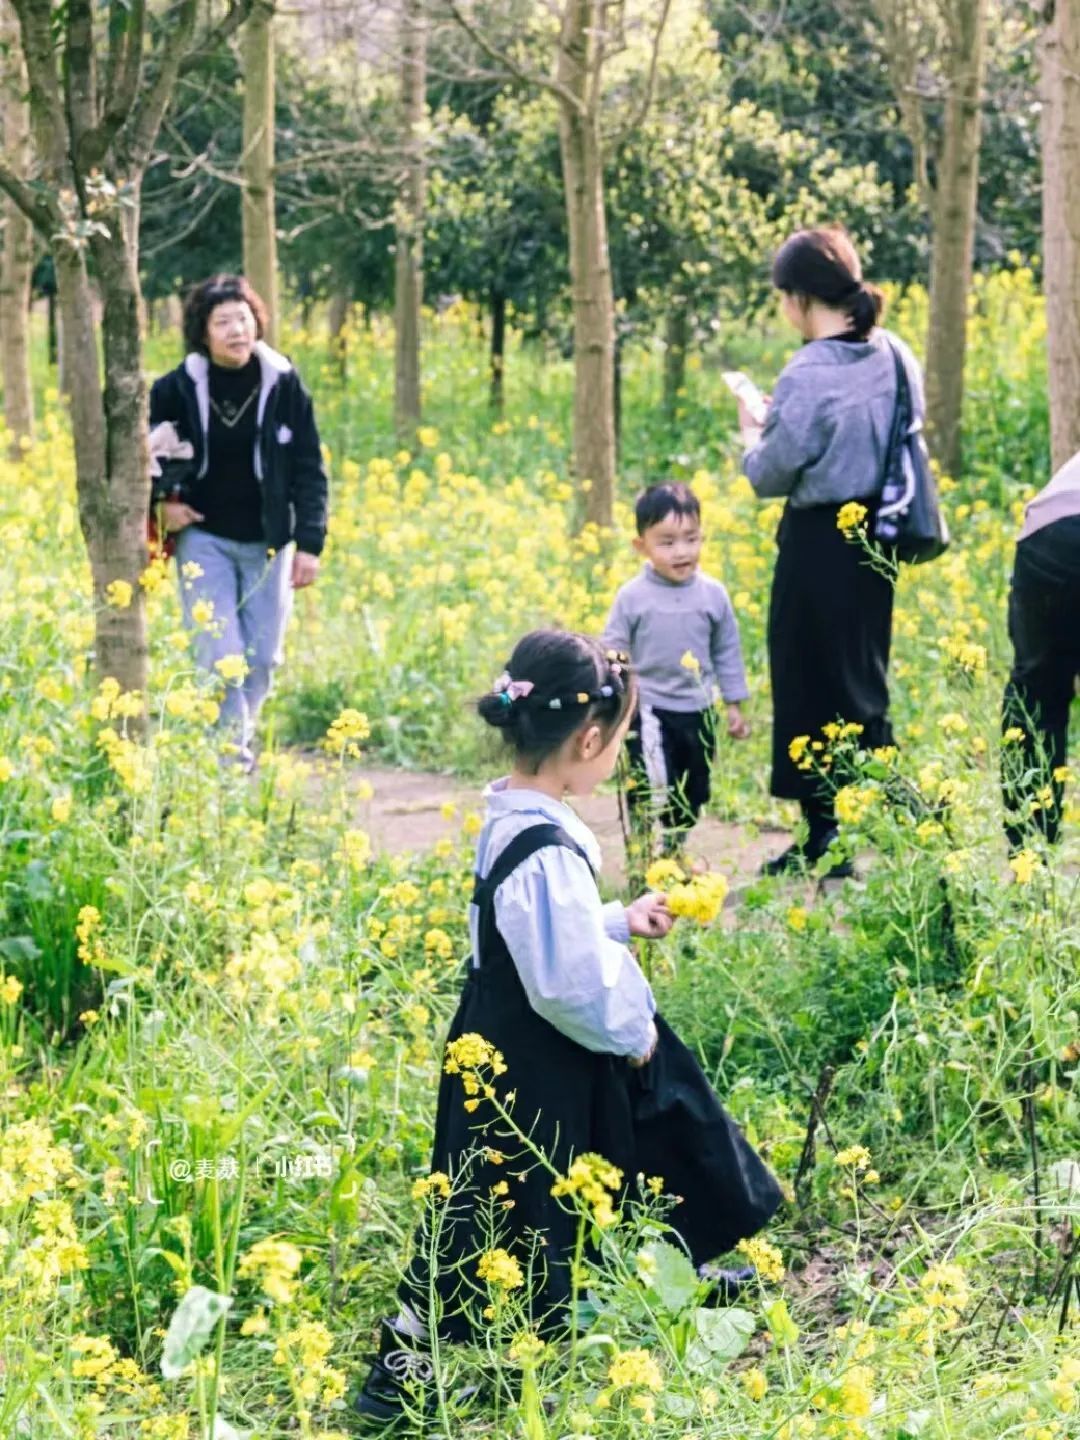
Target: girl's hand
x=637 y=1061
x=649 y=917
x=738 y=726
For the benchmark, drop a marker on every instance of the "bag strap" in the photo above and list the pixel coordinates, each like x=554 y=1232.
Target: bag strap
x=901 y=411
x=534 y=838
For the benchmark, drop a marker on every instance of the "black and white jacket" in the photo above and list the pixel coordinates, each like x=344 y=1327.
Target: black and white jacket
x=288 y=457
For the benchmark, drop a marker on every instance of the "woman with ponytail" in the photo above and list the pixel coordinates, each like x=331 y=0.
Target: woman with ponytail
x=824 y=444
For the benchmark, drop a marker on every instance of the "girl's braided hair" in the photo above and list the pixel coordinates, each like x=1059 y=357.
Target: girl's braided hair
x=555 y=682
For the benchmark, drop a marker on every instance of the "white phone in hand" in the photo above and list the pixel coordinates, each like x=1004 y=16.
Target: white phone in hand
x=745 y=390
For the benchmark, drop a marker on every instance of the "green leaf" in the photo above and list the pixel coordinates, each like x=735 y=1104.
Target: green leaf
x=668 y=1274
x=724 y=1333
x=345 y=1199
x=782 y=1327
x=229 y=1132
x=191 y=1326
x=19 y=947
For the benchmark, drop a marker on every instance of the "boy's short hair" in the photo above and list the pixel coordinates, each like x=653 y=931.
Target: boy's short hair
x=669 y=497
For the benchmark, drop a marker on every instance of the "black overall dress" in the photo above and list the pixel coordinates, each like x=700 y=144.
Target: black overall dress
x=660 y=1120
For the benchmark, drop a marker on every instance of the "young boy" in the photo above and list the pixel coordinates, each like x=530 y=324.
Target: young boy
x=680 y=631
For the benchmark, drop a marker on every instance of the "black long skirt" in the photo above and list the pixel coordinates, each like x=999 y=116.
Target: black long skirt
x=830 y=629
x=660 y=1120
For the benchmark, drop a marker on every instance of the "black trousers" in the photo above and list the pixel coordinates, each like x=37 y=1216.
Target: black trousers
x=1044 y=627
x=671 y=753
x=830 y=630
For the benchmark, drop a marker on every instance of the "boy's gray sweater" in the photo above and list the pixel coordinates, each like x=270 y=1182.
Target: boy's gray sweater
x=656 y=621
x=828 y=426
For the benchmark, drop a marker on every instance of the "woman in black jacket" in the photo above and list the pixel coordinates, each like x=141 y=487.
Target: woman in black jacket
x=250 y=518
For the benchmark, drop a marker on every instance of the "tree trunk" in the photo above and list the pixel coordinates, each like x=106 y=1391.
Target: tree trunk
x=616 y=396
x=1060 y=124
x=409 y=224
x=113 y=488
x=338 y=316
x=52 y=340
x=955 y=199
x=259 y=222
x=577 y=68
x=498 y=349
x=114 y=513
x=17 y=263
x=677 y=336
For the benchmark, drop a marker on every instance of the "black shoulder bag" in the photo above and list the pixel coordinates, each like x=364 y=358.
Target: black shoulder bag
x=909 y=518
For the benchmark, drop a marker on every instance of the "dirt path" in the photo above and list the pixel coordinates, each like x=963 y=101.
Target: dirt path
x=404 y=814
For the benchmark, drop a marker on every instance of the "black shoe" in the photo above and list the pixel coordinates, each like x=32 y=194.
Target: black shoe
x=791 y=861
x=728 y=1284
x=840 y=867
x=798 y=859
x=396 y=1382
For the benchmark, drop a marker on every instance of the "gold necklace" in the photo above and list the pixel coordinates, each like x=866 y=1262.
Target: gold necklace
x=231 y=415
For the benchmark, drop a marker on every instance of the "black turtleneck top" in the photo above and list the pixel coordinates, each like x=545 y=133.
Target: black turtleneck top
x=228 y=494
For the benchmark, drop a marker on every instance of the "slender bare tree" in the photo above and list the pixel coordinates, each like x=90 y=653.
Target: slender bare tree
x=587 y=35
x=100 y=80
x=17 y=260
x=409 y=222
x=936 y=52
x=1060 y=120
x=258 y=208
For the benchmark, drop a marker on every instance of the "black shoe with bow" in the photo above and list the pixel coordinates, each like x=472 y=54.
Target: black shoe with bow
x=399 y=1381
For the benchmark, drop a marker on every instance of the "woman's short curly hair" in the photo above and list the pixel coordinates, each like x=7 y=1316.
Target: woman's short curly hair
x=207 y=295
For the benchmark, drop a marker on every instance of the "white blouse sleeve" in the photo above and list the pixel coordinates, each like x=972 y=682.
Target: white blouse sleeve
x=586 y=984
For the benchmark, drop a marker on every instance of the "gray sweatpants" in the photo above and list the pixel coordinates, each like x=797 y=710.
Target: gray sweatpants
x=252 y=599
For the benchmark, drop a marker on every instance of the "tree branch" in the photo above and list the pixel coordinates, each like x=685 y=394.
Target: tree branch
x=145 y=120
x=638 y=117
x=237 y=13
x=80 y=80
x=47 y=115
x=32 y=201
x=122 y=83
x=526 y=77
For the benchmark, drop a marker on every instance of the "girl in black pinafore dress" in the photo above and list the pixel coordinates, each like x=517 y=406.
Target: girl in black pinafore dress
x=590 y=1065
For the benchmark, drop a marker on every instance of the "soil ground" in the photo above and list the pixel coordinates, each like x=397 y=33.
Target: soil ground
x=404 y=814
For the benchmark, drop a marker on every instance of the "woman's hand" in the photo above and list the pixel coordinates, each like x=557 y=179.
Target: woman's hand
x=649 y=917
x=305 y=567
x=749 y=427
x=179 y=516
x=637 y=1061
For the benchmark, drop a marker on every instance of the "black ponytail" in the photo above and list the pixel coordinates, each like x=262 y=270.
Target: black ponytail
x=822 y=265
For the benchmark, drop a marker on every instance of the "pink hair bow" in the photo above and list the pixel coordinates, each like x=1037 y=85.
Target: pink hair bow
x=512 y=690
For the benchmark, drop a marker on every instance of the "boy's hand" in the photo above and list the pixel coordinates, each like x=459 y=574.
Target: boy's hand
x=738 y=726
x=649 y=917
x=637 y=1061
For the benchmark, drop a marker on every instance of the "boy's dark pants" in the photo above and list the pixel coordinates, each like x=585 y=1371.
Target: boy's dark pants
x=672 y=752
x=1044 y=626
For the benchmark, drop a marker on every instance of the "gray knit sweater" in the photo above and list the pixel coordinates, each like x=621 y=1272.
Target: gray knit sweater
x=828 y=427
x=656 y=621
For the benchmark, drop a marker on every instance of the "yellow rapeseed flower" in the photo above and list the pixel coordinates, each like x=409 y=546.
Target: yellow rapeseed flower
x=498 y=1267
x=232 y=669
x=1025 y=864
x=118 y=594
x=765 y=1258
x=850 y=516
x=635 y=1369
